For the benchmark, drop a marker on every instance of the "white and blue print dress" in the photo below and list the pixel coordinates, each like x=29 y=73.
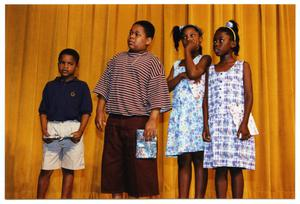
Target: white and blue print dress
x=186 y=119
x=226 y=89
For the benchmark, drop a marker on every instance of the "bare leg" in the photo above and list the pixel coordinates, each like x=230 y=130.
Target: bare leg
x=117 y=195
x=237 y=182
x=184 y=174
x=200 y=175
x=43 y=183
x=145 y=197
x=221 y=182
x=67 y=184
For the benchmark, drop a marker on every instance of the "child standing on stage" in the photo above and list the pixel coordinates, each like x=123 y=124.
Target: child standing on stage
x=187 y=81
x=229 y=146
x=64 y=113
x=134 y=91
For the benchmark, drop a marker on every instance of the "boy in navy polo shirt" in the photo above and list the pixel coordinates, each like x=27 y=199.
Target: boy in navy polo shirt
x=64 y=113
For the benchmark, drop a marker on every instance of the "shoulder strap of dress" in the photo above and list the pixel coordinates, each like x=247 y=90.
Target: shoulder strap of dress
x=176 y=64
x=240 y=62
x=197 y=59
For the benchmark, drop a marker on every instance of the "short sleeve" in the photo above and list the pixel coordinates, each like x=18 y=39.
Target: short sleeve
x=103 y=84
x=86 y=104
x=44 y=103
x=157 y=89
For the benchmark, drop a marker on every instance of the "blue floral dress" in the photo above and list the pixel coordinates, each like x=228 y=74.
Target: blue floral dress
x=226 y=89
x=186 y=119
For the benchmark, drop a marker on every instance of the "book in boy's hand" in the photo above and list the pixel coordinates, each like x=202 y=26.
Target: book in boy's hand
x=145 y=149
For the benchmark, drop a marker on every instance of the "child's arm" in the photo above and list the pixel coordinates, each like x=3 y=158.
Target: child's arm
x=77 y=135
x=193 y=71
x=152 y=123
x=100 y=119
x=248 y=102
x=205 y=133
x=172 y=82
x=44 y=121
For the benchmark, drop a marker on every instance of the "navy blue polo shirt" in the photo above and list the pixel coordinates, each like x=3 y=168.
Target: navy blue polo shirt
x=66 y=100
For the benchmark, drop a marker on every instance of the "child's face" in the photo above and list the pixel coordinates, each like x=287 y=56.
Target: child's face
x=222 y=43
x=191 y=35
x=67 y=66
x=137 y=40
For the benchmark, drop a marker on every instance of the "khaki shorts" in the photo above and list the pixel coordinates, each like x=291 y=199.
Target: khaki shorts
x=63 y=153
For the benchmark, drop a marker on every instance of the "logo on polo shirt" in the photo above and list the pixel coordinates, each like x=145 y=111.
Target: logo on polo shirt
x=73 y=93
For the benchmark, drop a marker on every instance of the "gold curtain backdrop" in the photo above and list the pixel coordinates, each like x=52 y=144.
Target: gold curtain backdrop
x=35 y=34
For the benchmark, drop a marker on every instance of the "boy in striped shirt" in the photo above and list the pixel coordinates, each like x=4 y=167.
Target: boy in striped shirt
x=134 y=91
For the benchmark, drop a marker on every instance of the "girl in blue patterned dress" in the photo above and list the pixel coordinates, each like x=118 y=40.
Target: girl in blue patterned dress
x=187 y=80
x=228 y=146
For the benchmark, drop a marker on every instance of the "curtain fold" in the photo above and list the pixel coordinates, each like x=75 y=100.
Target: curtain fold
x=35 y=34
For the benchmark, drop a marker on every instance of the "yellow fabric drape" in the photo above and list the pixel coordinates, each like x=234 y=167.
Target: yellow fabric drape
x=35 y=34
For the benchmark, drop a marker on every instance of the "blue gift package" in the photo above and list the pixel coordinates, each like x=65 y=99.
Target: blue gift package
x=145 y=149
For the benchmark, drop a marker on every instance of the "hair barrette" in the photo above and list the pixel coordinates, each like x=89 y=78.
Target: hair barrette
x=181 y=27
x=229 y=25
